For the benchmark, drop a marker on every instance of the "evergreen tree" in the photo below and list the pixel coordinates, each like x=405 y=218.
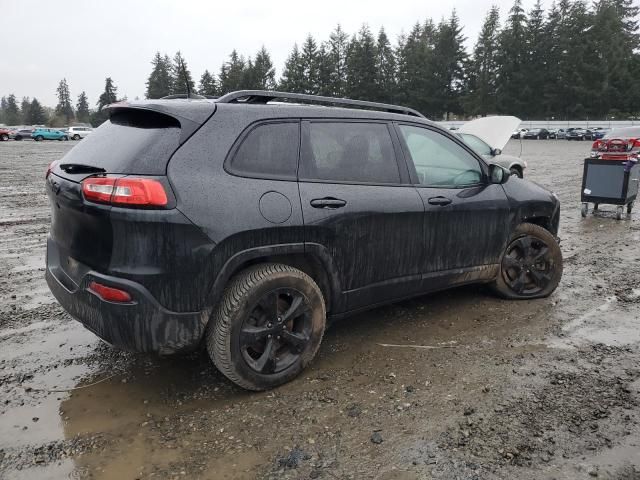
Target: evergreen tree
x=11 y=111
x=159 y=83
x=414 y=55
x=293 y=74
x=335 y=66
x=385 y=69
x=264 y=72
x=82 y=108
x=511 y=63
x=37 y=115
x=481 y=99
x=232 y=73
x=180 y=75
x=3 y=107
x=449 y=66
x=208 y=84
x=535 y=66
x=109 y=95
x=309 y=62
x=64 y=108
x=106 y=98
x=361 y=66
x=25 y=106
x=325 y=71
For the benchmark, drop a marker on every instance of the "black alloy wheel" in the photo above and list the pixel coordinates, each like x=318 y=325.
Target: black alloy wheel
x=267 y=327
x=277 y=331
x=526 y=266
x=531 y=265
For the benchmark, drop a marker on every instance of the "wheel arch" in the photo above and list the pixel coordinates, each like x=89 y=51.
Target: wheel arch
x=312 y=259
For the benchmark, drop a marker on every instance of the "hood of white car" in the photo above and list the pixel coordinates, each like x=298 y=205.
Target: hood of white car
x=495 y=131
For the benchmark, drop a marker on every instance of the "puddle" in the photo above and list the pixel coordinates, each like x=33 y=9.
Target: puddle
x=613 y=323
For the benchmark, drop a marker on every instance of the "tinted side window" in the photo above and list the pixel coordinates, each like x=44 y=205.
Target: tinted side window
x=438 y=160
x=349 y=152
x=269 y=150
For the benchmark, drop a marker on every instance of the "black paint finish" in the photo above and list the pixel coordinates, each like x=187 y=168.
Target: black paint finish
x=364 y=244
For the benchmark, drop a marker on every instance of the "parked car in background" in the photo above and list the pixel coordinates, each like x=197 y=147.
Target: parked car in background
x=618 y=144
x=488 y=136
x=318 y=213
x=40 y=134
x=599 y=133
x=557 y=133
x=22 y=133
x=77 y=133
x=519 y=133
x=5 y=133
x=536 y=134
x=578 y=134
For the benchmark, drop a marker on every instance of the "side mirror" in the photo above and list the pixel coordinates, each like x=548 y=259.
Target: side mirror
x=497 y=174
x=495 y=151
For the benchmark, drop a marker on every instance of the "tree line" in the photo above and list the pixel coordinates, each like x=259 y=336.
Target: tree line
x=572 y=61
x=65 y=113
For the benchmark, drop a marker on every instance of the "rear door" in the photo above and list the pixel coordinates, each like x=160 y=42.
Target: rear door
x=358 y=203
x=466 y=221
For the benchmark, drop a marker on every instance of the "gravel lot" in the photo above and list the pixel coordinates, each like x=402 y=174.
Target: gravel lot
x=532 y=389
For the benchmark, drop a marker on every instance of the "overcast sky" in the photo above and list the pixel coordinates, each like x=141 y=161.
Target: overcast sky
x=88 y=40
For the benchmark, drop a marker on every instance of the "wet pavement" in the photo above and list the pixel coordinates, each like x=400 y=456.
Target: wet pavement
x=458 y=384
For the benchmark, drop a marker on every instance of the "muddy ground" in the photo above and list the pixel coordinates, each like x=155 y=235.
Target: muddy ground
x=534 y=389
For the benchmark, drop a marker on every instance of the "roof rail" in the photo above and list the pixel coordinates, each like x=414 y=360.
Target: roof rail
x=264 y=96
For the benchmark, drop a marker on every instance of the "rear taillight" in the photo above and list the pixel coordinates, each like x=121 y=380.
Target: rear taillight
x=134 y=192
x=636 y=143
x=109 y=294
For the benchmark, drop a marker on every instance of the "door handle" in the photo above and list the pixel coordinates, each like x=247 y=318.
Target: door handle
x=441 y=201
x=327 y=202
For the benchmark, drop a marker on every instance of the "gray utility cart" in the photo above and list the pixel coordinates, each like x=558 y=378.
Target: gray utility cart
x=612 y=182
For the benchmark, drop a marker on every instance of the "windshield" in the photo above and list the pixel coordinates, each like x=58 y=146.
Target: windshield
x=476 y=144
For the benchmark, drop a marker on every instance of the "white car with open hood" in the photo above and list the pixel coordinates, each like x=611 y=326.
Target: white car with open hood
x=488 y=136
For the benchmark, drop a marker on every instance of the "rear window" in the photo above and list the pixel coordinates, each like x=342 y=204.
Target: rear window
x=269 y=150
x=350 y=152
x=132 y=141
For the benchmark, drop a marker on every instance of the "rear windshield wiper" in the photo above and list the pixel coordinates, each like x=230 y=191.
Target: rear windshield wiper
x=79 y=168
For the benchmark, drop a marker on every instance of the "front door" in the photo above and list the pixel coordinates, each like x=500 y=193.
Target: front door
x=466 y=223
x=357 y=202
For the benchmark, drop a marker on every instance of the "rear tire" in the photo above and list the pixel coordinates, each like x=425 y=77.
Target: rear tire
x=531 y=266
x=619 y=210
x=267 y=327
x=4 y=137
x=76 y=137
x=39 y=138
x=630 y=207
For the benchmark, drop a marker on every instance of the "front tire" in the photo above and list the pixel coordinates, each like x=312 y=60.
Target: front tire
x=4 y=137
x=267 y=327
x=531 y=265
x=76 y=137
x=516 y=171
x=39 y=138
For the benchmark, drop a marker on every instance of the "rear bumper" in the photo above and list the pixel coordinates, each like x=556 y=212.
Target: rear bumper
x=140 y=326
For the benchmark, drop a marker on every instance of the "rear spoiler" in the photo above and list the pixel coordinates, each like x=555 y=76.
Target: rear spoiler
x=190 y=113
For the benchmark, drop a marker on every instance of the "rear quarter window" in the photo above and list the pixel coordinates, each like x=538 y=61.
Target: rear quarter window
x=131 y=141
x=268 y=150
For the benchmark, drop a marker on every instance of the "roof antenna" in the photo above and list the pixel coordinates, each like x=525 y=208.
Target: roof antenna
x=186 y=79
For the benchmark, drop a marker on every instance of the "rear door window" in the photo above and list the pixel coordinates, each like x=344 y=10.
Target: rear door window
x=357 y=152
x=269 y=150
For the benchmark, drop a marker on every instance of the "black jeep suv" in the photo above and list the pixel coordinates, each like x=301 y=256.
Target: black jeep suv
x=244 y=223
